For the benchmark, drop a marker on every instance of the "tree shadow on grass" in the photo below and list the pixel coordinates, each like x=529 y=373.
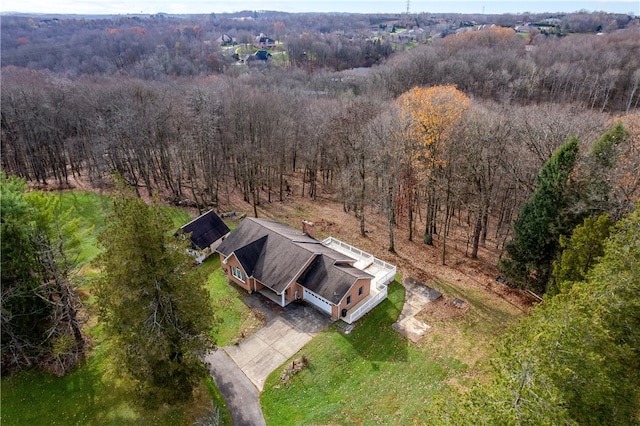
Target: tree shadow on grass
x=37 y=398
x=89 y=395
x=374 y=339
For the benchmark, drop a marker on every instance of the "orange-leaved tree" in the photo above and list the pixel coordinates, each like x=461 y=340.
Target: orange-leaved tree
x=492 y=37
x=429 y=115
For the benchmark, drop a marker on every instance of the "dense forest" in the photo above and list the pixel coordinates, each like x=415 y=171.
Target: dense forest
x=512 y=99
x=517 y=127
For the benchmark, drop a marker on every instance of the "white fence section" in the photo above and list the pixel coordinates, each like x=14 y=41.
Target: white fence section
x=369 y=303
x=347 y=249
x=383 y=274
x=390 y=272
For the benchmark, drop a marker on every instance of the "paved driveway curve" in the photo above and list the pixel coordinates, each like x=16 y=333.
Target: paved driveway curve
x=242 y=397
x=240 y=371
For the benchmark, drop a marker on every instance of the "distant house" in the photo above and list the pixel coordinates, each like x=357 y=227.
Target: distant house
x=285 y=265
x=262 y=55
x=205 y=232
x=264 y=42
x=226 y=40
x=525 y=28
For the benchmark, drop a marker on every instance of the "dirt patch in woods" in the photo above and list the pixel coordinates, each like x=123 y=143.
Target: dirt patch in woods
x=442 y=309
x=413 y=258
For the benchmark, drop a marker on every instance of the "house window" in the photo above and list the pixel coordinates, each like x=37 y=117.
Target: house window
x=237 y=272
x=348 y=300
x=360 y=291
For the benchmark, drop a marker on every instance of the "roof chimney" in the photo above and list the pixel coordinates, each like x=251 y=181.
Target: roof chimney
x=307 y=228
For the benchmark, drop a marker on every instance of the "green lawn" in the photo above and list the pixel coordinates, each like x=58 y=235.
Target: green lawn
x=178 y=216
x=375 y=375
x=94 y=394
x=235 y=320
x=91 y=209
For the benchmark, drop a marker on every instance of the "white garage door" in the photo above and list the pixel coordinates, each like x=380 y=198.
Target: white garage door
x=316 y=300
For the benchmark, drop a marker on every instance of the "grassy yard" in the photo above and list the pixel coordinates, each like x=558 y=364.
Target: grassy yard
x=94 y=394
x=91 y=209
x=375 y=375
x=235 y=320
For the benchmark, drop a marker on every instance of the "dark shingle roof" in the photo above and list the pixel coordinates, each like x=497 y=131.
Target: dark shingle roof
x=205 y=229
x=329 y=279
x=278 y=261
x=263 y=55
x=275 y=254
x=249 y=255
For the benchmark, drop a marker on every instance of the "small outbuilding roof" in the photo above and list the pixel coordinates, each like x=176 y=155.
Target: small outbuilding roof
x=205 y=230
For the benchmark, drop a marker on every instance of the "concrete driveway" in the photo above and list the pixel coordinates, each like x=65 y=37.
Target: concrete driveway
x=241 y=370
x=285 y=333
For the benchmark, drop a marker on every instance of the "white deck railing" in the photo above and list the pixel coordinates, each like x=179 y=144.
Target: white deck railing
x=381 y=281
x=374 y=301
x=389 y=276
x=349 y=248
x=385 y=274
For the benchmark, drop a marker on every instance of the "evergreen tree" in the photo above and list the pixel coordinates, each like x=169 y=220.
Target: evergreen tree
x=40 y=321
x=600 y=163
x=152 y=302
x=575 y=359
x=542 y=219
x=581 y=251
x=24 y=313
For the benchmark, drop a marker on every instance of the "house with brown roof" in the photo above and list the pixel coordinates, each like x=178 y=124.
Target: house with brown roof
x=286 y=265
x=264 y=42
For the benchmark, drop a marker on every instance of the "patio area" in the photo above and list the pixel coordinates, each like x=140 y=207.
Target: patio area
x=383 y=274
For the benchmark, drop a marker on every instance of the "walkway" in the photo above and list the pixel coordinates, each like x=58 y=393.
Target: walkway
x=417 y=295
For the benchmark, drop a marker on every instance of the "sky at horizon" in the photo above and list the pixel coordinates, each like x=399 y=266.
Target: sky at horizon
x=102 y=7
